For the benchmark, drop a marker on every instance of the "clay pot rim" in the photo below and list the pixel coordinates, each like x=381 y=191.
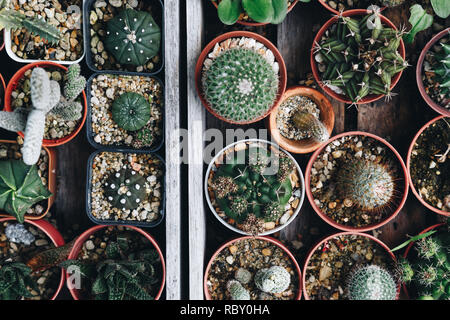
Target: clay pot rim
x=85 y=235
x=264 y=238
x=323 y=3
x=11 y=86
x=408 y=166
x=419 y=68
x=331 y=222
x=315 y=71
x=295 y=146
x=54 y=235
x=335 y=235
x=282 y=73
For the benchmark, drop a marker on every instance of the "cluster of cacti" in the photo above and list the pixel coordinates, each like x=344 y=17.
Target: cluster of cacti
x=15 y=279
x=360 y=56
x=258 y=185
x=307 y=122
x=240 y=85
x=371 y=282
x=442 y=70
x=20 y=188
x=131 y=111
x=369 y=185
x=264 y=11
x=125 y=189
x=133 y=37
x=275 y=279
x=16 y=232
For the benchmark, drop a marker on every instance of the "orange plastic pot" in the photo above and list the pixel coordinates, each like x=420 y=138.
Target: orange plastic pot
x=54 y=236
x=330 y=221
x=255 y=24
x=315 y=70
x=78 y=244
x=326 y=239
x=238 y=34
x=51 y=182
x=419 y=69
x=12 y=85
x=326 y=117
x=408 y=166
x=265 y=238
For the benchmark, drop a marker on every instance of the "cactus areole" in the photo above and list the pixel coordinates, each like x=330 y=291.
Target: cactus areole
x=131 y=111
x=133 y=37
x=125 y=189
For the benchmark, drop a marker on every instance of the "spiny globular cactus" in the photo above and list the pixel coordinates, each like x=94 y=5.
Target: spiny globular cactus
x=360 y=56
x=442 y=71
x=237 y=291
x=371 y=282
x=125 y=189
x=307 y=122
x=367 y=184
x=133 y=37
x=240 y=85
x=131 y=111
x=275 y=279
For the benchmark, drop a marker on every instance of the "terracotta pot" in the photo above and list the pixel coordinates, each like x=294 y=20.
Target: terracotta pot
x=54 y=236
x=323 y=3
x=409 y=247
x=268 y=239
x=238 y=34
x=2 y=45
x=2 y=80
x=315 y=70
x=408 y=166
x=311 y=252
x=419 y=68
x=326 y=117
x=12 y=85
x=256 y=24
x=51 y=185
x=333 y=223
x=78 y=244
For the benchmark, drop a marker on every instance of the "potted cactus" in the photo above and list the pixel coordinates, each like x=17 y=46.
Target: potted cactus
x=126 y=111
x=124 y=35
x=45 y=106
x=253 y=187
x=115 y=263
x=350 y=266
x=27 y=270
x=356 y=62
x=357 y=181
x=257 y=268
x=254 y=81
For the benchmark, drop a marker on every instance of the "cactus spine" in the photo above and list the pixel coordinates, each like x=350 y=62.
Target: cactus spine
x=371 y=282
x=307 y=122
x=237 y=291
x=275 y=279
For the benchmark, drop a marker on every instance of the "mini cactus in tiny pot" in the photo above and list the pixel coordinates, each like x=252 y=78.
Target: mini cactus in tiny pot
x=237 y=291
x=131 y=111
x=275 y=279
x=307 y=122
x=371 y=282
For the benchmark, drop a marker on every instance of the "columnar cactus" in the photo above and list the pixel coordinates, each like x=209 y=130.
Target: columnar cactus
x=237 y=291
x=131 y=111
x=133 y=37
x=371 y=282
x=125 y=189
x=275 y=279
x=307 y=122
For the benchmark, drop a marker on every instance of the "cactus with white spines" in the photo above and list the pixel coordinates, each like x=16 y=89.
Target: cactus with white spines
x=275 y=279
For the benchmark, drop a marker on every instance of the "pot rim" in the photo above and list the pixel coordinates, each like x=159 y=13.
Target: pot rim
x=323 y=3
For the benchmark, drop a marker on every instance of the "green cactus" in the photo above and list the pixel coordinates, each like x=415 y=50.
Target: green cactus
x=360 y=56
x=240 y=85
x=133 y=37
x=131 y=111
x=20 y=188
x=15 y=279
x=371 y=282
x=125 y=189
x=275 y=279
x=308 y=123
x=272 y=212
x=367 y=184
x=442 y=70
x=237 y=291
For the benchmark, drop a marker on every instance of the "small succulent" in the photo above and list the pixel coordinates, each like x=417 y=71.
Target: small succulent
x=20 y=188
x=237 y=291
x=442 y=71
x=49 y=258
x=125 y=189
x=371 y=282
x=133 y=37
x=275 y=279
x=307 y=122
x=16 y=232
x=240 y=85
x=243 y=275
x=131 y=111
x=15 y=277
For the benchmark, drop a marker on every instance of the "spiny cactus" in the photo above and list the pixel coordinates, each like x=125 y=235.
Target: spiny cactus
x=125 y=189
x=240 y=85
x=442 y=70
x=360 y=56
x=308 y=123
x=131 y=111
x=371 y=282
x=133 y=37
x=243 y=275
x=21 y=187
x=272 y=212
x=275 y=279
x=15 y=277
x=237 y=291
x=14 y=121
x=367 y=184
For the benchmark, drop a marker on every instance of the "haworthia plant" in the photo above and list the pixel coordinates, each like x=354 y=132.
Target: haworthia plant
x=15 y=279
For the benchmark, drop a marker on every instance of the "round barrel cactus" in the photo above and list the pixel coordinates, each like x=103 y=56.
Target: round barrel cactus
x=131 y=111
x=125 y=189
x=371 y=282
x=133 y=37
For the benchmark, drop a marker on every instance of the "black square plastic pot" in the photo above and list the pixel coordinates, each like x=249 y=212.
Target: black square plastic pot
x=87 y=37
x=139 y=224
x=90 y=132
